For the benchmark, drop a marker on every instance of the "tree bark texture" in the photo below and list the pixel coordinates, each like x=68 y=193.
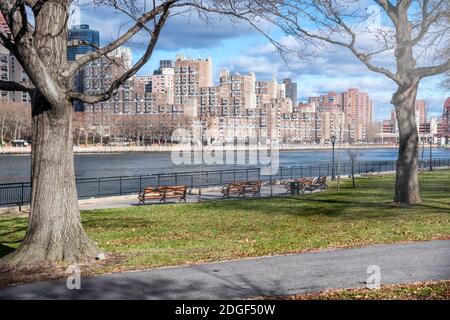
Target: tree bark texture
x=54 y=230
x=407 y=184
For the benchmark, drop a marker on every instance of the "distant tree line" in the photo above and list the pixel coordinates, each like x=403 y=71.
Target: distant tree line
x=15 y=121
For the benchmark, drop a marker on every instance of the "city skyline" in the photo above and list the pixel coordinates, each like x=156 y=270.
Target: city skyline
x=238 y=48
x=323 y=85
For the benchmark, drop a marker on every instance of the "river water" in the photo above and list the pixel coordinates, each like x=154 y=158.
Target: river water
x=16 y=168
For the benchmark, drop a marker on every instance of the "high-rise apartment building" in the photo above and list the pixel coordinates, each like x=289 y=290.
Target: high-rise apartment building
x=165 y=64
x=357 y=106
x=18 y=74
x=163 y=82
x=266 y=91
x=82 y=32
x=4 y=59
x=11 y=70
x=238 y=89
x=189 y=76
x=125 y=56
x=291 y=90
x=421 y=111
x=330 y=102
x=97 y=77
x=4 y=71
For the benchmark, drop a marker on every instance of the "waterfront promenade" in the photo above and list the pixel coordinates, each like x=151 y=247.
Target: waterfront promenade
x=128 y=201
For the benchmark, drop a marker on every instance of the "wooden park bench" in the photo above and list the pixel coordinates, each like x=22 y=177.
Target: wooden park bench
x=318 y=183
x=151 y=193
x=171 y=192
x=237 y=188
x=162 y=193
x=253 y=188
x=305 y=184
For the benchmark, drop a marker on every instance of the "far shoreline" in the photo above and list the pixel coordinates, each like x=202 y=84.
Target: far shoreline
x=157 y=149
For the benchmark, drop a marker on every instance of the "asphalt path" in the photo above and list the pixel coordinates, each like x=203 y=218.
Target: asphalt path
x=273 y=275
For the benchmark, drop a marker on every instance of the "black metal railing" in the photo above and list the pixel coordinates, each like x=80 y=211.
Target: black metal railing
x=20 y=193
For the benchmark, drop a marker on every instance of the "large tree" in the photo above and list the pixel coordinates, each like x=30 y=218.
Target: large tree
x=38 y=39
x=404 y=40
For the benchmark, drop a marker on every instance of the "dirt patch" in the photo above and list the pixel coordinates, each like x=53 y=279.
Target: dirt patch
x=54 y=271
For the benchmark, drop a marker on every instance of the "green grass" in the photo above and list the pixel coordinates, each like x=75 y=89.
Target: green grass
x=165 y=235
x=435 y=290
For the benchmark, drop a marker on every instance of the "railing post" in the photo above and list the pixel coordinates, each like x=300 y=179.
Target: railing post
x=259 y=174
x=120 y=186
x=99 y=188
x=234 y=175
x=292 y=175
x=192 y=179
x=271 y=191
x=20 y=206
x=310 y=170
x=157 y=179
x=140 y=183
x=176 y=179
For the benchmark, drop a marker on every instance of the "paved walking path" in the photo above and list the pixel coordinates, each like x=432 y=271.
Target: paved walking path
x=276 y=275
x=115 y=202
x=208 y=194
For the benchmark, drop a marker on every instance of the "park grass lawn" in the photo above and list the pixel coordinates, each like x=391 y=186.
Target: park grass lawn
x=433 y=290
x=167 y=235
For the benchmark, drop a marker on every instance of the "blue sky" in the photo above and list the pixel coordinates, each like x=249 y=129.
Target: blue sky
x=239 y=48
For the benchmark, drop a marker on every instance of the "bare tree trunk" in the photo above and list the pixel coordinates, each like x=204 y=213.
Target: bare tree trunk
x=54 y=230
x=2 y=130
x=78 y=137
x=15 y=127
x=406 y=184
x=19 y=131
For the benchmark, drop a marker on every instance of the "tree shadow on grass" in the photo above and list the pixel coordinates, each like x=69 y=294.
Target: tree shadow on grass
x=19 y=229
x=306 y=206
x=4 y=250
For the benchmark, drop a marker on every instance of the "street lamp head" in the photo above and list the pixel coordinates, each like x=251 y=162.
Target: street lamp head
x=333 y=139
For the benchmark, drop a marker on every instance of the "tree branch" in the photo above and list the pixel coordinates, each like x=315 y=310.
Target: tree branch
x=15 y=86
x=427 y=20
x=78 y=42
x=16 y=18
x=431 y=71
x=389 y=8
x=74 y=66
x=364 y=58
x=91 y=99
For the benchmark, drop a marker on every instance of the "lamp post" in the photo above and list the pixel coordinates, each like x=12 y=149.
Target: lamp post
x=430 y=140
x=333 y=141
x=199 y=199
